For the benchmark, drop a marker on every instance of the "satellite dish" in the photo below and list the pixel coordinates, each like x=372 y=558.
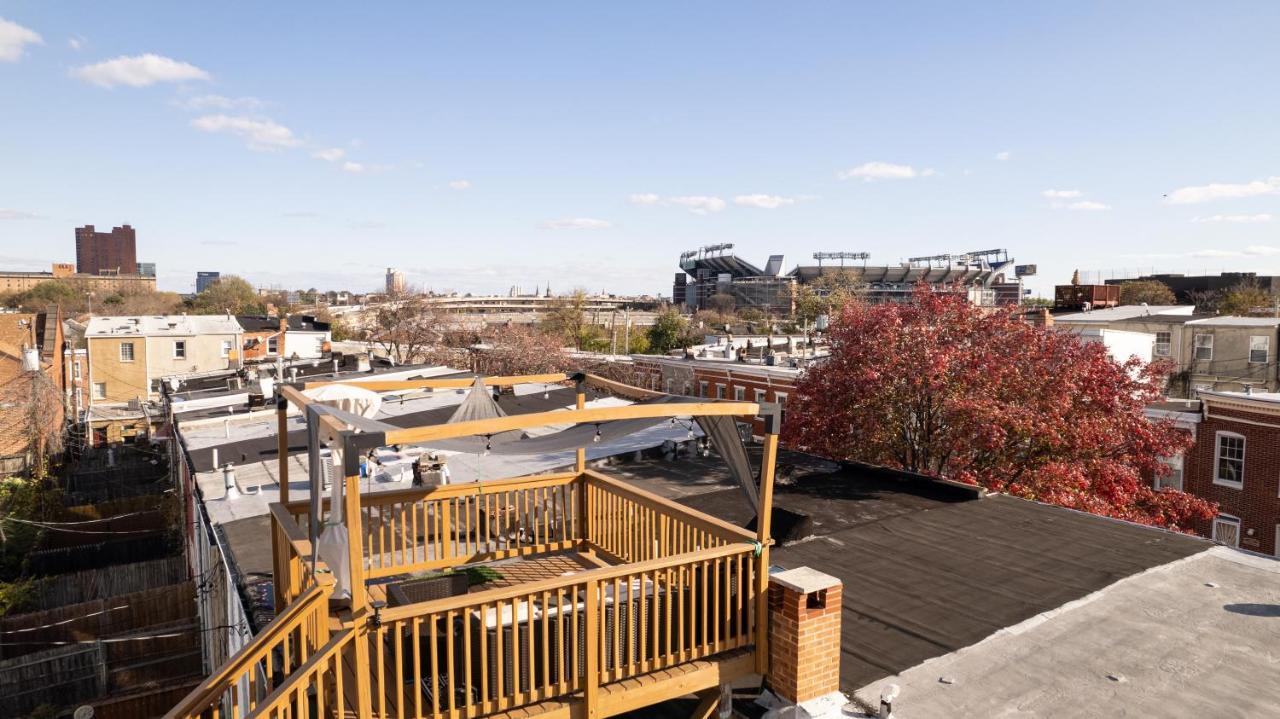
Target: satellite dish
x=83 y=712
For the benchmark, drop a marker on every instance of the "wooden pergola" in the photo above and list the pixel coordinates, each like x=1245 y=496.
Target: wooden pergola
x=664 y=601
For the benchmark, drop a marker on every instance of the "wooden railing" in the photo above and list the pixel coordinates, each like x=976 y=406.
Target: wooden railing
x=291 y=553
x=272 y=659
x=450 y=525
x=319 y=686
x=509 y=647
x=631 y=525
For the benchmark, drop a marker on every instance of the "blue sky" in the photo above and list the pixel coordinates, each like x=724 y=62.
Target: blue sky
x=483 y=145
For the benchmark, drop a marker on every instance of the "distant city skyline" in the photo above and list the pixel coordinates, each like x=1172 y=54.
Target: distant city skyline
x=482 y=147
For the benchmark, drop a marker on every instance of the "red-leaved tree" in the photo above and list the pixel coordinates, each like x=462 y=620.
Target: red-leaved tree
x=945 y=388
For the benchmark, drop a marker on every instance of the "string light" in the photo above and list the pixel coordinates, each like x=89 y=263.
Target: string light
x=488 y=444
x=597 y=437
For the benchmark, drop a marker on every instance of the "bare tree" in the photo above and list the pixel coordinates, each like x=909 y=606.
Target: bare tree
x=406 y=326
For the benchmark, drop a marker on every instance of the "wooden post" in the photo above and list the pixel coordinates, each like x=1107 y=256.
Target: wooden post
x=591 y=678
x=282 y=445
x=767 y=465
x=355 y=554
x=582 y=451
x=580 y=467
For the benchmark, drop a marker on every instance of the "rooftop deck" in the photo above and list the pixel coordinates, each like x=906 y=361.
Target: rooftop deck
x=601 y=597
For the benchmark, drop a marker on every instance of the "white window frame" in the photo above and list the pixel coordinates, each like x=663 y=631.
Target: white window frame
x=179 y=349
x=75 y=370
x=226 y=348
x=721 y=391
x=739 y=394
x=1198 y=344
x=1161 y=348
x=132 y=352
x=703 y=386
x=1217 y=459
x=1172 y=480
x=1266 y=349
x=760 y=396
x=1227 y=519
x=99 y=394
x=273 y=345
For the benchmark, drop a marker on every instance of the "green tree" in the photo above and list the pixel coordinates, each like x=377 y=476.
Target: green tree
x=670 y=331
x=1245 y=298
x=229 y=294
x=1151 y=292
x=567 y=319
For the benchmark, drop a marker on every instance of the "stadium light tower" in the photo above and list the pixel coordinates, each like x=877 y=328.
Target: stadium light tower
x=842 y=256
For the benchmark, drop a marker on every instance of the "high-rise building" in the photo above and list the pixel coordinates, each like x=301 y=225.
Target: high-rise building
x=395 y=281
x=106 y=253
x=204 y=279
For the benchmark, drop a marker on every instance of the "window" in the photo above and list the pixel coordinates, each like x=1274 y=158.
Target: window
x=1162 y=344
x=1229 y=454
x=702 y=389
x=179 y=349
x=226 y=348
x=1172 y=480
x=1259 y=348
x=760 y=394
x=1226 y=530
x=669 y=386
x=126 y=351
x=1204 y=347
x=99 y=390
x=76 y=369
x=739 y=394
x=720 y=391
x=273 y=345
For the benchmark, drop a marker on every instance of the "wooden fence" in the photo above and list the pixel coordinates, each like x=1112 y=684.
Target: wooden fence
x=98 y=619
x=91 y=584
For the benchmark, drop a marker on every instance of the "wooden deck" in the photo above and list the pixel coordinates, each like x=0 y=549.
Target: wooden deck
x=616 y=698
x=518 y=571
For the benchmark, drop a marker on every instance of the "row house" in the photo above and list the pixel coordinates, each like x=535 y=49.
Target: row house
x=129 y=357
x=1208 y=352
x=30 y=343
x=289 y=337
x=1234 y=462
x=717 y=379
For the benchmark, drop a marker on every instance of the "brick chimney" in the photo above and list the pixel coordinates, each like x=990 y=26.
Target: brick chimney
x=804 y=639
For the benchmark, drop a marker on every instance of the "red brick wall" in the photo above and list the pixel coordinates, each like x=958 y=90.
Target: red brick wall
x=1257 y=504
x=728 y=375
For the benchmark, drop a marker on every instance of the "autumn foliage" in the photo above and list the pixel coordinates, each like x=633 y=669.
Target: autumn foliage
x=945 y=388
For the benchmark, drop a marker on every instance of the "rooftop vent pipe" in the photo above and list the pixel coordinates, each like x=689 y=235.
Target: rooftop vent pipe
x=229 y=482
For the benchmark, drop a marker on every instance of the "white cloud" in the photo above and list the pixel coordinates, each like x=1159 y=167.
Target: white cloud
x=1221 y=191
x=17 y=215
x=1214 y=253
x=1261 y=217
x=460 y=184
x=360 y=168
x=700 y=204
x=261 y=134
x=1088 y=205
x=332 y=154
x=767 y=202
x=872 y=171
x=1003 y=155
x=643 y=198
x=219 y=102
x=1061 y=194
x=14 y=39
x=577 y=223
x=76 y=42
x=139 y=71
x=1262 y=250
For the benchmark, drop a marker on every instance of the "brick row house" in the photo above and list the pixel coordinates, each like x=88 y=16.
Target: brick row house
x=40 y=335
x=717 y=379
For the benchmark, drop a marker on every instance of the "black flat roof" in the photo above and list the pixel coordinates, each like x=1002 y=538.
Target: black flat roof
x=928 y=568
